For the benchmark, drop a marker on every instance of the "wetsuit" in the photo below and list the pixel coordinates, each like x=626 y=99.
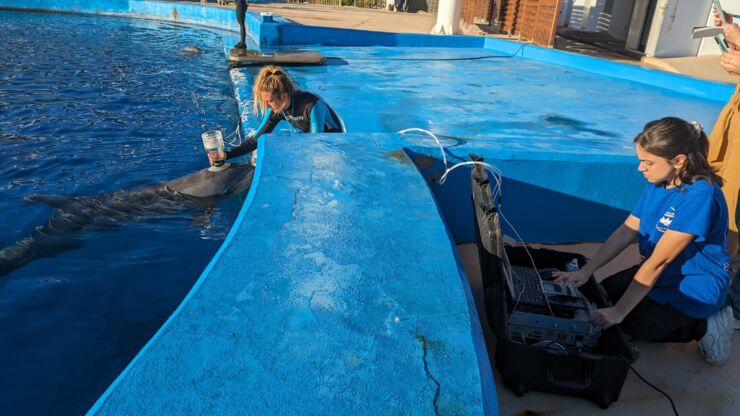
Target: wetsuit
x=241 y=12
x=307 y=113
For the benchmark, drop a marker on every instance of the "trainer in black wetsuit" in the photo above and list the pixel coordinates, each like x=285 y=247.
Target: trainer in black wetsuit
x=307 y=113
x=241 y=12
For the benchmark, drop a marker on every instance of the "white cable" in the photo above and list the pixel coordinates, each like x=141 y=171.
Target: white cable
x=531 y=259
x=496 y=173
x=497 y=177
x=444 y=158
x=237 y=131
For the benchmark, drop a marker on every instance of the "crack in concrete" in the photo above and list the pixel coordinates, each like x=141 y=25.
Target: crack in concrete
x=435 y=402
x=310 y=308
x=293 y=209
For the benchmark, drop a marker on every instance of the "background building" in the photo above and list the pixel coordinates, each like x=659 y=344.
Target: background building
x=660 y=28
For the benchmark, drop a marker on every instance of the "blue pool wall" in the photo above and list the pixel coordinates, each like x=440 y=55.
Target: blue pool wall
x=257 y=31
x=95 y=6
x=194 y=13
x=545 y=194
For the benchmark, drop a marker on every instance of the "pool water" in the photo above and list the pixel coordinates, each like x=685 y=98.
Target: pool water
x=501 y=102
x=90 y=105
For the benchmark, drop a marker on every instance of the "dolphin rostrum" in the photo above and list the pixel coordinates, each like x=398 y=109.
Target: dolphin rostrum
x=75 y=215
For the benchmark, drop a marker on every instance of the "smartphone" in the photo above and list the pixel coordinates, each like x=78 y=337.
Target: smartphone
x=706 y=32
x=721 y=43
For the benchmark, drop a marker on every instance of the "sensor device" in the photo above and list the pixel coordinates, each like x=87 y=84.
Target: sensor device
x=213 y=142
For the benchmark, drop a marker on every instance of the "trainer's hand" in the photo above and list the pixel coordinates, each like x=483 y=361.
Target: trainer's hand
x=606 y=317
x=578 y=277
x=717 y=20
x=214 y=157
x=730 y=61
x=732 y=35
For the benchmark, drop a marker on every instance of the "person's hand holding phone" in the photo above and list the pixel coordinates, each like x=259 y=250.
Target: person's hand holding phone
x=718 y=18
x=732 y=35
x=730 y=61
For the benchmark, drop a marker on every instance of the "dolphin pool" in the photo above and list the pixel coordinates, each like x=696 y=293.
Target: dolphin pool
x=90 y=105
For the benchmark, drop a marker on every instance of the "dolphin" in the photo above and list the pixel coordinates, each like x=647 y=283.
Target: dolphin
x=78 y=214
x=192 y=49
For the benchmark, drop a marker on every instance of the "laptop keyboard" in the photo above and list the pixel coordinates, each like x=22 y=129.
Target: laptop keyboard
x=526 y=286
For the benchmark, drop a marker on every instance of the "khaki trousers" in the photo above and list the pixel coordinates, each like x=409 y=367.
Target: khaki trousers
x=724 y=155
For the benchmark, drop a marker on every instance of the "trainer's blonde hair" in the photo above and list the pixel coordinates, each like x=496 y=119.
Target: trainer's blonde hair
x=272 y=79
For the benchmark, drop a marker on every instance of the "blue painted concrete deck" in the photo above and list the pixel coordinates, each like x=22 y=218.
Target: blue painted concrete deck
x=338 y=291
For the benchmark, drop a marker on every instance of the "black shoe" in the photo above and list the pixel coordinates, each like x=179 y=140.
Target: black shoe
x=240 y=46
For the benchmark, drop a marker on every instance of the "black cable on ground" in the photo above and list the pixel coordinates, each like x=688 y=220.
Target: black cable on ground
x=673 y=405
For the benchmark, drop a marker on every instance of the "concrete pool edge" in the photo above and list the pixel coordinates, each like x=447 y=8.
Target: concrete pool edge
x=449 y=333
x=199 y=282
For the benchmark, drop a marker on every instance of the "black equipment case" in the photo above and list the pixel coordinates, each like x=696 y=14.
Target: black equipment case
x=597 y=374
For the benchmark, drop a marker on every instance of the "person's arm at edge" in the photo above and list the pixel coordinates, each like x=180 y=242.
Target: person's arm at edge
x=267 y=126
x=729 y=19
x=732 y=36
x=730 y=62
x=318 y=117
x=670 y=245
x=623 y=236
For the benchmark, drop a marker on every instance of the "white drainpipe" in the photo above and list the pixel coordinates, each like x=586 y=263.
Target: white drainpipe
x=448 y=18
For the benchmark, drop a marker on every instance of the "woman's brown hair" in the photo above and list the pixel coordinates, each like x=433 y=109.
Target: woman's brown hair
x=672 y=136
x=272 y=79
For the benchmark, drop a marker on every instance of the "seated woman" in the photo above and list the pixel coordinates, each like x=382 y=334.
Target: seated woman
x=679 y=290
x=277 y=98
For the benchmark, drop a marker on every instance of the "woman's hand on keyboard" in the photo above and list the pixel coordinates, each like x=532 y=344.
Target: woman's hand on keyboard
x=578 y=277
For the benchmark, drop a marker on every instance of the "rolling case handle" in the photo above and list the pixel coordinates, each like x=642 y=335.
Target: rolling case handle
x=562 y=372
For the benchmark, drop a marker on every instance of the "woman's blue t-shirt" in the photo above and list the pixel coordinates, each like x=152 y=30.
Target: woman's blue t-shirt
x=695 y=282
